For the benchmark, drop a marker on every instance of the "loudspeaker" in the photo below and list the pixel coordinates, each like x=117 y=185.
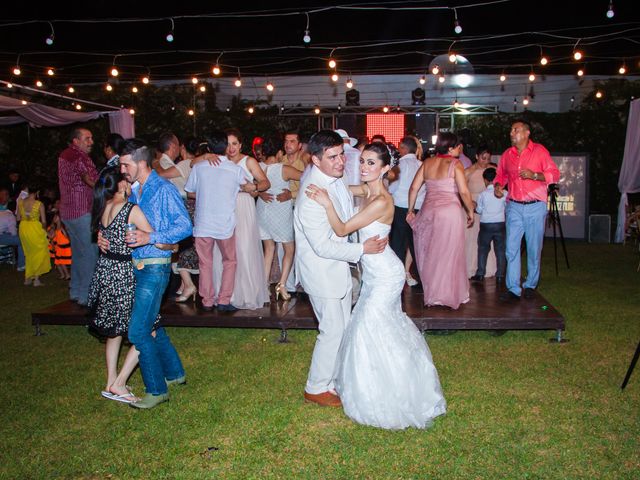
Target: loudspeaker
x=352 y=97
x=599 y=228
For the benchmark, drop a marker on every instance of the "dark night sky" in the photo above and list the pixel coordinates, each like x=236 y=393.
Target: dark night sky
x=198 y=40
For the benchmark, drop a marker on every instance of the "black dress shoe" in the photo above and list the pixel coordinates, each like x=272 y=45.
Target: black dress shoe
x=477 y=278
x=509 y=297
x=208 y=308
x=529 y=293
x=222 y=307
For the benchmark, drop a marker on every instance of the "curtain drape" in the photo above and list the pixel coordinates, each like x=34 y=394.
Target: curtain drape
x=629 y=179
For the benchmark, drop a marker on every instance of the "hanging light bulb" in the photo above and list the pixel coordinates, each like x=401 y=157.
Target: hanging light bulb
x=169 y=36
x=456 y=104
x=580 y=72
x=216 y=70
x=134 y=89
x=190 y=112
x=39 y=83
x=194 y=80
x=525 y=102
x=269 y=86
x=317 y=110
x=306 y=38
x=145 y=80
x=435 y=70
x=532 y=77
x=503 y=77
x=132 y=111
x=577 y=55
x=385 y=109
x=610 y=12
x=24 y=102
x=622 y=70
x=238 y=82
x=544 y=60
x=332 y=63
x=71 y=89
x=441 y=79
x=114 y=72
x=457 y=28
x=51 y=72
x=78 y=106
x=51 y=37
x=9 y=85
x=250 y=110
x=16 y=70
x=334 y=77
x=349 y=83
x=422 y=80
x=452 y=57
x=108 y=87
x=573 y=99
x=599 y=94
x=203 y=88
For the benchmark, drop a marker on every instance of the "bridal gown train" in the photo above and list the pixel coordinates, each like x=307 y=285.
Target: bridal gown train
x=385 y=373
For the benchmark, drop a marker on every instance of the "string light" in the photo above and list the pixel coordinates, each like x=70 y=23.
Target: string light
x=238 y=82
x=456 y=104
x=452 y=57
x=108 y=87
x=334 y=77
x=203 y=88
x=78 y=106
x=532 y=77
x=457 y=28
x=145 y=80
x=349 y=83
x=332 y=63
x=622 y=70
x=169 y=36
x=134 y=89
x=114 y=72
x=423 y=80
x=216 y=70
x=577 y=55
x=580 y=72
x=385 y=109
x=503 y=77
x=16 y=70
x=250 y=110
x=9 y=85
x=24 y=102
x=38 y=84
x=525 y=102
x=435 y=70
x=441 y=79
x=194 y=80
x=306 y=38
x=190 y=112
x=269 y=86
x=51 y=37
x=132 y=111
x=317 y=110
x=543 y=60
x=610 y=12
x=51 y=72
x=599 y=94
x=71 y=89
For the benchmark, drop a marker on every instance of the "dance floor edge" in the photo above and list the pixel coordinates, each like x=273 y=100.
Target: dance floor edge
x=484 y=311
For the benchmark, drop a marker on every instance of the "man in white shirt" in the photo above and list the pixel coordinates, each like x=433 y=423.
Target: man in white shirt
x=8 y=230
x=215 y=188
x=404 y=171
x=492 y=228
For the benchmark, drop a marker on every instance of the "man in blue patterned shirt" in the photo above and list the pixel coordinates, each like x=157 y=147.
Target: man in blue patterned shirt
x=165 y=210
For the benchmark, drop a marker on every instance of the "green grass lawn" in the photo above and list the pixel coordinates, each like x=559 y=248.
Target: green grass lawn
x=519 y=407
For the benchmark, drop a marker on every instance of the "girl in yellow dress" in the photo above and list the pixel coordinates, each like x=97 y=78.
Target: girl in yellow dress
x=33 y=237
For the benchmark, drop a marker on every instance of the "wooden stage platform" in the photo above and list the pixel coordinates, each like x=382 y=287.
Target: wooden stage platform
x=483 y=312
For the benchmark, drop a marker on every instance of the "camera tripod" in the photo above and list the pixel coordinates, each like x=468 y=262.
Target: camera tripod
x=553 y=220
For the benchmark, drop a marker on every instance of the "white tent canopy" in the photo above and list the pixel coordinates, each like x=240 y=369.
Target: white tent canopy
x=629 y=180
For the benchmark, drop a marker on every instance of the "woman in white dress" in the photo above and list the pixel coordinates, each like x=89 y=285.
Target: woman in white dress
x=250 y=290
x=275 y=218
x=385 y=373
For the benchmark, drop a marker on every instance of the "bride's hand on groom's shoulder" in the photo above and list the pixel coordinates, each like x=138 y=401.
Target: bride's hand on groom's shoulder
x=319 y=195
x=374 y=245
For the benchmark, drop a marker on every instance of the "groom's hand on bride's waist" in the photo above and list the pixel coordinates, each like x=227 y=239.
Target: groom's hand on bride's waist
x=374 y=244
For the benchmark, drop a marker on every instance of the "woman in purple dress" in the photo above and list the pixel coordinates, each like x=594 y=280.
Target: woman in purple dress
x=438 y=229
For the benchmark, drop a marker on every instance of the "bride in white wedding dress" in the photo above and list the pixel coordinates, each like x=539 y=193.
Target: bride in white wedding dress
x=385 y=373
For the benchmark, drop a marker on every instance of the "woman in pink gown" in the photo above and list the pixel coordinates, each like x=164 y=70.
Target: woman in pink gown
x=438 y=229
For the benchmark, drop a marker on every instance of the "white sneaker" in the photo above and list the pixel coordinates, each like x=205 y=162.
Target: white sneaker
x=412 y=282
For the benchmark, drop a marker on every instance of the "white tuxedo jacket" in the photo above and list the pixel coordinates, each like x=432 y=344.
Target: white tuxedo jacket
x=321 y=256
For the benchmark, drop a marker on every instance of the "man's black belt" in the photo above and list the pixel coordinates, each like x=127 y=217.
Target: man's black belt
x=528 y=202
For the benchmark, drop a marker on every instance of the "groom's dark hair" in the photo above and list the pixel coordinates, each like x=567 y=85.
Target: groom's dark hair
x=322 y=140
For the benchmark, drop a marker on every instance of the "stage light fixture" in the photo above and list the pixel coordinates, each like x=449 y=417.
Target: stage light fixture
x=418 y=96
x=352 y=98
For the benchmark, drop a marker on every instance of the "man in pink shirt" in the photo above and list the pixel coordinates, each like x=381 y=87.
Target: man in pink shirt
x=76 y=176
x=526 y=169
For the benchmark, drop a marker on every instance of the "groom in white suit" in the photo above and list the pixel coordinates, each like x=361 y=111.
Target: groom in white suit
x=322 y=261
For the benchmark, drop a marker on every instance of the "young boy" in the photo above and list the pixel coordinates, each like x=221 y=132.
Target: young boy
x=492 y=228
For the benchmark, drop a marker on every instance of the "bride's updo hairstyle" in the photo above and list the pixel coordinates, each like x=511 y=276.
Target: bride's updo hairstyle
x=381 y=150
x=446 y=141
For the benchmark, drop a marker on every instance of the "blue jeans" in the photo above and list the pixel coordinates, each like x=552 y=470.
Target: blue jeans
x=489 y=232
x=8 y=239
x=527 y=220
x=158 y=359
x=84 y=256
